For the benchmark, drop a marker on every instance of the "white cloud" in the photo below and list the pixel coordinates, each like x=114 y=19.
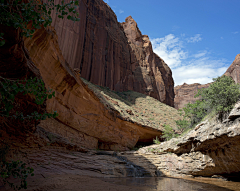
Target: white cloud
x=236 y=32
x=199 y=67
x=106 y=1
x=199 y=71
x=221 y=37
x=121 y=11
x=170 y=49
x=195 y=38
x=200 y=54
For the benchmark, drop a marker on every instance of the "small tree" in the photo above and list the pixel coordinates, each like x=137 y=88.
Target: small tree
x=221 y=95
x=182 y=125
x=168 y=132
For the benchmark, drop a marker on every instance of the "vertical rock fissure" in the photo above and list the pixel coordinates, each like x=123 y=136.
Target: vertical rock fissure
x=84 y=43
x=106 y=58
x=90 y=69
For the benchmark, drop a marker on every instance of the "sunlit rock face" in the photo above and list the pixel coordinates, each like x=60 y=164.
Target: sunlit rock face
x=212 y=148
x=83 y=120
x=112 y=54
x=185 y=93
x=234 y=70
x=156 y=77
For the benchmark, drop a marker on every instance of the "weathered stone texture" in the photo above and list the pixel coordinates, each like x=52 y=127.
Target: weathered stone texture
x=152 y=75
x=185 y=93
x=82 y=118
x=234 y=70
x=98 y=46
x=212 y=148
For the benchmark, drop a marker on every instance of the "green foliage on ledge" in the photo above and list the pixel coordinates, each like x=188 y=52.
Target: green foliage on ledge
x=32 y=14
x=33 y=86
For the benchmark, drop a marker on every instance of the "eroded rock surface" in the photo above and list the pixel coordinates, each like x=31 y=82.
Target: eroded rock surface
x=185 y=93
x=156 y=77
x=212 y=148
x=111 y=54
x=234 y=70
x=82 y=119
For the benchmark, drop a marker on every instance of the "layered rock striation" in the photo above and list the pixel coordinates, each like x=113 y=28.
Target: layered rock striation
x=112 y=54
x=151 y=72
x=83 y=120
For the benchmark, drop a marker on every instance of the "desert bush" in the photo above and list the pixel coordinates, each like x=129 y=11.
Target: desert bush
x=168 y=132
x=218 y=98
x=220 y=95
x=182 y=125
x=156 y=141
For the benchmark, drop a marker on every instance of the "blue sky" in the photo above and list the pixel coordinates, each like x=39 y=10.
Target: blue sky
x=198 y=39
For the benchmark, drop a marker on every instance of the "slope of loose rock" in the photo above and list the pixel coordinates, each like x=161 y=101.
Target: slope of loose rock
x=137 y=107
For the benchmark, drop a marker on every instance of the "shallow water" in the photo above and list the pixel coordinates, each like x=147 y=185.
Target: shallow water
x=163 y=184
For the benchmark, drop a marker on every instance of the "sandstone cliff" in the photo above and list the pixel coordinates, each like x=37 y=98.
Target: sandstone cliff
x=185 y=93
x=156 y=76
x=83 y=119
x=99 y=46
x=234 y=70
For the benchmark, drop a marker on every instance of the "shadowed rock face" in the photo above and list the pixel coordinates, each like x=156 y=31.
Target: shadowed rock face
x=99 y=46
x=185 y=93
x=83 y=120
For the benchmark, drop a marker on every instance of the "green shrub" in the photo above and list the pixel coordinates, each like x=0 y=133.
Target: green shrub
x=156 y=141
x=19 y=14
x=168 y=132
x=218 y=98
x=221 y=95
x=195 y=112
x=10 y=88
x=182 y=125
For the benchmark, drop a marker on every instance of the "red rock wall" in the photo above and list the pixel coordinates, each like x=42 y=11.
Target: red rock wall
x=185 y=93
x=156 y=77
x=234 y=70
x=83 y=119
x=98 y=46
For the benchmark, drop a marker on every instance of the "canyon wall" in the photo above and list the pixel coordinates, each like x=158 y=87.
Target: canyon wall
x=234 y=69
x=82 y=118
x=185 y=93
x=156 y=74
x=112 y=54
